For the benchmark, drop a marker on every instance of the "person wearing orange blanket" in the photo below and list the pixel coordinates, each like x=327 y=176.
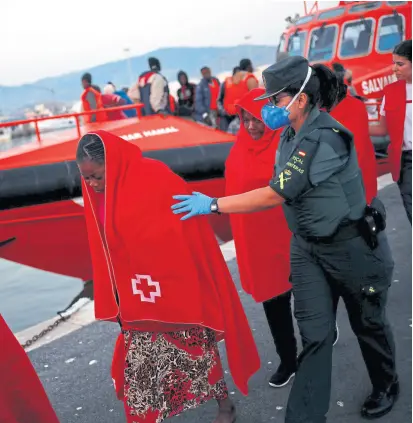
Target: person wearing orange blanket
x=352 y=114
x=232 y=90
x=164 y=282
x=22 y=396
x=396 y=121
x=91 y=99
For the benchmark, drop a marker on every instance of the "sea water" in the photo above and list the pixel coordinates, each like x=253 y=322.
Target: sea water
x=29 y=296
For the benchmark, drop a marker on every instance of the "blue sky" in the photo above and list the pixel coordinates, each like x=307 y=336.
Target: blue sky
x=50 y=37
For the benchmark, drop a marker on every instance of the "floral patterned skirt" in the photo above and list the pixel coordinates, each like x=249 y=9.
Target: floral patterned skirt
x=168 y=373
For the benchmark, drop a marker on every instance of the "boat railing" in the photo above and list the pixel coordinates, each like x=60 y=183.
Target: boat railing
x=76 y=115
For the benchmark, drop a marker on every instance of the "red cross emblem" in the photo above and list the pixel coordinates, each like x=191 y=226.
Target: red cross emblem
x=142 y=286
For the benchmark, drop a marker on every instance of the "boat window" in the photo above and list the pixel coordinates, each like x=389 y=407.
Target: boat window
x=281 y=45
x=322 y=43
x=391 y=32
x=331 y=13
x=396 y=3
x=296 y=43
x=365 y=6
x=304 y=20
x=356 y=38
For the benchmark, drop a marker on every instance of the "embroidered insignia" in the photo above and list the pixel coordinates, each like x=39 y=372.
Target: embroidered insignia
x=282 y=179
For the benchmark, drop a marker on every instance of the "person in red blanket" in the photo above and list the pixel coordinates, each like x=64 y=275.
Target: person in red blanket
x=22 y=396
x=264 y=260
x=351 y=113
x=166 y=284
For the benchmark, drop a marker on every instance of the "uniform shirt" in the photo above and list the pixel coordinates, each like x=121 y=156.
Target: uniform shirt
x=407 y=134
x=296 y=173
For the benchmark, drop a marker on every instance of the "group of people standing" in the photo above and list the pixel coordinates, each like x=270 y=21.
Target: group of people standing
x=326 y=242
x=165 y=282
x=209 y=102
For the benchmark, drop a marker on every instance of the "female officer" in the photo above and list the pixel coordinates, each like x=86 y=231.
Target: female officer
x=333 y=250
x=396 y=120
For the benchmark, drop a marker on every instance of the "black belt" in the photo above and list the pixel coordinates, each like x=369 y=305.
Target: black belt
x=344 y=232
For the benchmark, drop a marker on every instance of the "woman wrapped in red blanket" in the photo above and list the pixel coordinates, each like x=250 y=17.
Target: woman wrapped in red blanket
x=165 y=282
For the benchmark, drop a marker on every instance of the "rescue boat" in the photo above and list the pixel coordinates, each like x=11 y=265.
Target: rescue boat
x=41 y=208
x=361 y=35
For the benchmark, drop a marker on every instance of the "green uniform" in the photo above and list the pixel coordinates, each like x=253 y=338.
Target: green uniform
x=317 y=173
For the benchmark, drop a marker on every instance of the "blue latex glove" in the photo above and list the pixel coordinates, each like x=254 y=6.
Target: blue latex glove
x=196 y=204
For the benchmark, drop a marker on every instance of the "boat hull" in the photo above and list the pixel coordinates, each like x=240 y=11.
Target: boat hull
x=53 y=236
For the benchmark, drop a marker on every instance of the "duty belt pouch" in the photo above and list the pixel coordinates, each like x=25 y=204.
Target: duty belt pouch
x=368 y=230
x=378 y=211
x=373 y=222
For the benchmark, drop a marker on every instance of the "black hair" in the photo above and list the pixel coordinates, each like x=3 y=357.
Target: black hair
x=182 y=73
x=154 y=63
x=244 y=64
x=87 y=77
x=91 y=148
x=235 y=70
x=338 y=67
x=205 y=68
x=321 y=89
x=404 y=49
x=341 y=86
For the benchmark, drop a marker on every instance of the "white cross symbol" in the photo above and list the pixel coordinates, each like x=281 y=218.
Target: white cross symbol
x=152 y=295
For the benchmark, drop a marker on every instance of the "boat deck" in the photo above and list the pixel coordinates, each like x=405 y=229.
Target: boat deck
x=75 y=369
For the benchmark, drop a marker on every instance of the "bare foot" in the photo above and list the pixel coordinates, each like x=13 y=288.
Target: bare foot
x=226 y=412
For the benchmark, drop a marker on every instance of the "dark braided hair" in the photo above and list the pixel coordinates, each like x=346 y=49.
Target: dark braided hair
x=91 y=148
x=322 y=88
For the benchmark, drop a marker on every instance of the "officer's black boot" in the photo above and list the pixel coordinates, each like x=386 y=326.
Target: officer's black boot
x=380 y=402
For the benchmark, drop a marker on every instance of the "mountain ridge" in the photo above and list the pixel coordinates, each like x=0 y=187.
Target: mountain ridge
x=67 y=88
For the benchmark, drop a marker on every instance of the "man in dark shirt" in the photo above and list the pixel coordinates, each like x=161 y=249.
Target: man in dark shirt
x=186 y=95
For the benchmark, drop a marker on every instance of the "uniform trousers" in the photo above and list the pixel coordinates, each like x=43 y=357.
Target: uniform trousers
x=321 y=273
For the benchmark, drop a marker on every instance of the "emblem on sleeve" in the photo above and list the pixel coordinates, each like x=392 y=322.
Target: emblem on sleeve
x=282 y=179
x=148 y=289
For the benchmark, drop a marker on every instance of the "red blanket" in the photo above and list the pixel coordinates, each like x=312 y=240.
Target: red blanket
x=22 y=397
x=262 y=240
x=168 y=274
x=351 y=113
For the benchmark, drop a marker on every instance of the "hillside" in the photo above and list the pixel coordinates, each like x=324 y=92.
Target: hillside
x=190 y=59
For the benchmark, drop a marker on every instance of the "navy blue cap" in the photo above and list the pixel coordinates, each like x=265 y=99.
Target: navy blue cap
x=284 y=73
